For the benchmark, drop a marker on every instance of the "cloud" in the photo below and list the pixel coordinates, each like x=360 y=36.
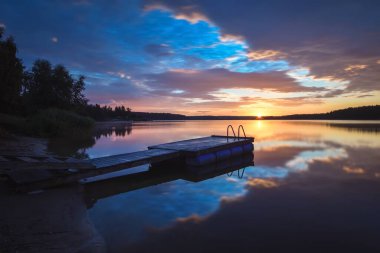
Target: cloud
x=232 y=37
x=354 y=68
x=265 y=54
x=199 y=84
x=192 y=17
x=158 y=50
x=54 y=39
x=352 y=170
x=186 y=12
x=122 y=89
x=193 y=54
x=325 y=36
x=302 y=161
x=261 y=183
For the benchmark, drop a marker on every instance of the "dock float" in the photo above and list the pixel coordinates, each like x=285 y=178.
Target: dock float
x=191 y=154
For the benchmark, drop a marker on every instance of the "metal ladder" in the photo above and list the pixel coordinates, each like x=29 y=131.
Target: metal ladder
x=228 y=131
x=240 y=174
x=233 y=131
x=242 y=128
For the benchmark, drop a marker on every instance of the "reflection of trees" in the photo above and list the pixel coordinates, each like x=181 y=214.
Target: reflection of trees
x=357 y=127
x=73 y=147
x=118 y=131
x=78 y=145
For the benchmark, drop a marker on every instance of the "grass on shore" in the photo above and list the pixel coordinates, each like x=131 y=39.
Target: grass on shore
x=46 y=123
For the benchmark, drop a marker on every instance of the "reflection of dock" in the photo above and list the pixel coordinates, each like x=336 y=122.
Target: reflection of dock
x=41 y=222
x=32 y=173
x=161 y=174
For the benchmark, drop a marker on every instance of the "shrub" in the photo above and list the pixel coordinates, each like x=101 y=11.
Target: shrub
x=56 y=122
x=11 y=123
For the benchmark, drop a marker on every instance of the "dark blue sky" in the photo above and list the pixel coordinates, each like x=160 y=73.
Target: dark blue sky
x=208 y=57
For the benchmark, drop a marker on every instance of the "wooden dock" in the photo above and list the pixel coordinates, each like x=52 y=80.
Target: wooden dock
x=204 y=145
x=31 y=173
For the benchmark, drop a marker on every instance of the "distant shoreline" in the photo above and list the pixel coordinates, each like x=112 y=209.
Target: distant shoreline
x=357 y=113
x=130 y=122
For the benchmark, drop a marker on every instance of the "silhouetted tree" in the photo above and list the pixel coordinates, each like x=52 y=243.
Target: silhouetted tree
x=78 y=98
x=98 y=112
x=47 y=87
x=11 y=74
x=38 y=88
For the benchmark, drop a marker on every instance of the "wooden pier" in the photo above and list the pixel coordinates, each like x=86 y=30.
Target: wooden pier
x=33 y=173
x=204 y=145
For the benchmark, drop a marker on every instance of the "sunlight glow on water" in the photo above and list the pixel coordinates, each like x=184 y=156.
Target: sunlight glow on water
x=281 y=149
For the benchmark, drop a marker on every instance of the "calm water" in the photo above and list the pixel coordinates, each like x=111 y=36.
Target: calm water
x=314 y=186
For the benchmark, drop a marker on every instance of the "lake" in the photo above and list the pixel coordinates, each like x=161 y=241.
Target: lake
x=314 y=186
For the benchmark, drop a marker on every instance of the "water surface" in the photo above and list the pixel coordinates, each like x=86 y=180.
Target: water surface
x=315 y=186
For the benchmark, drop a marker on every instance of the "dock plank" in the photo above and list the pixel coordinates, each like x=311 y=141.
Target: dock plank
x=27 y=159
x=3 y=159
x=23 y=166
x=104 y=165
x=126 y=160
x=203 y=145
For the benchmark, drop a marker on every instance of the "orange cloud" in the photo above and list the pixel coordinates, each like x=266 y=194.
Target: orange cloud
x=352 y=170
x=184 y=71
x=261 y=183
x=231 y=37
x=152 y=7
x=192 y=218
x=355 y=68
x=264 y=54
x=192 y=17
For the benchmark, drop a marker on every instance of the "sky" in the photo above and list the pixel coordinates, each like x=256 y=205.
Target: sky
x=208 y=57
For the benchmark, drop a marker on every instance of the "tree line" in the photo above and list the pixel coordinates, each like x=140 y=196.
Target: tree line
x=24 y=92
x=371 y=112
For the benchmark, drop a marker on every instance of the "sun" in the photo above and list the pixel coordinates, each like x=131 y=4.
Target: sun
x=259 y=115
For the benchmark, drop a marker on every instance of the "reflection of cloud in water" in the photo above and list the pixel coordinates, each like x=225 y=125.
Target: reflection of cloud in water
x=268 y=172
x=273 y=145
x=181 y=200
x=279 y=150
x=302 y=161
x=261 y=183
x=176 y=200
x=352 y=170
x=192 y=218
x=300 y=215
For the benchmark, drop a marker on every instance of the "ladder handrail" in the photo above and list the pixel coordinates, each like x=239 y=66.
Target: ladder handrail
x=233 y=131
x=242 y=173
x=242 y=128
